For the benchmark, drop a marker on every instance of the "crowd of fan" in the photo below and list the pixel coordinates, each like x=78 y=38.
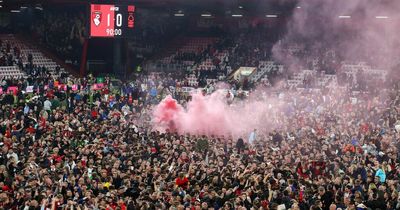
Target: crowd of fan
x=63 y=33
x=91 y=149
x=239 y=50
x=9 y=55
x=249 y=53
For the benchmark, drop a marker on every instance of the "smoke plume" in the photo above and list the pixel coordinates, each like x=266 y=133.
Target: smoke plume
x=212 y=115
x=356 y=30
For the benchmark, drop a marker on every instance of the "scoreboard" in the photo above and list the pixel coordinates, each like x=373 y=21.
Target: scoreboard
x=111 y=20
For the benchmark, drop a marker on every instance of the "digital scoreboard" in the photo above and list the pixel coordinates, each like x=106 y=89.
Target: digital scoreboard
x=111 y=20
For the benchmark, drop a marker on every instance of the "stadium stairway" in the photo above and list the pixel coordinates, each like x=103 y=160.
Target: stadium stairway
x=48 y=59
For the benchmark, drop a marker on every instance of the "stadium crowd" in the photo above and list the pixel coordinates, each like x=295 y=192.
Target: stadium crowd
x=63 y=33
x=79 y=148
x=9 y=55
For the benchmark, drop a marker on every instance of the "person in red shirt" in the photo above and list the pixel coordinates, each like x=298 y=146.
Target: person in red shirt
x=94 y=114
x=4 y=187
x=182 y=181
x=50 y=94
x=122 y=205
x=130 y=100
x=8 y=133
x=42 y=122
x=302 y=172
x=105 y=91
x=31 y=129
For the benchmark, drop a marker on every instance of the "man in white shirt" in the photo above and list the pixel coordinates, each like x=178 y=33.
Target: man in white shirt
x=252 y=137
x=125 y=109
x=47 y=105
x=11 y=153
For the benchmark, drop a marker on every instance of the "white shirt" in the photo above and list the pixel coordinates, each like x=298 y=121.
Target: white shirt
x=125 y=109
x=14 y=155
x=252 y=137
x=47 y=105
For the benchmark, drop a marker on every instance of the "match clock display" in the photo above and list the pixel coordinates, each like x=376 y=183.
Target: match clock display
x=111 y=20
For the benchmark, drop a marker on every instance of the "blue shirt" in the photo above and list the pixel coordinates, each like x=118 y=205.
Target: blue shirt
x=354 y=141
x=153 y=92
x=26 y=109
x=381 y=174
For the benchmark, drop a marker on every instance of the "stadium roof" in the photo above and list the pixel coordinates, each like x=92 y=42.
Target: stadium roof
x=216 y=6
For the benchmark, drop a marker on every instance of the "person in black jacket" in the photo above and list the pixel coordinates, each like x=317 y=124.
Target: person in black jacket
x=376 y=201
x=326 y=197
x=240 y=145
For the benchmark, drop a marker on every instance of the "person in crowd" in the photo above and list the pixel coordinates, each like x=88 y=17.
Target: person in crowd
x=252 y=137
x=240 y=145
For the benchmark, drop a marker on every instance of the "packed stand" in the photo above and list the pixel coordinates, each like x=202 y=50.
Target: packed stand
x=10 y=55
x=63 y=32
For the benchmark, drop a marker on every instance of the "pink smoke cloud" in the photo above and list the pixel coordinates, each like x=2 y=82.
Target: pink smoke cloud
x=212 y=115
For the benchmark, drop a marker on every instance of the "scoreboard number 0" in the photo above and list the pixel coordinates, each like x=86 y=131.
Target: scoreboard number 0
x=119 y=20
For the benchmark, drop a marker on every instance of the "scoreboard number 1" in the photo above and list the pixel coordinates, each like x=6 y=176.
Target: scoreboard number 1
x=118 y=20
